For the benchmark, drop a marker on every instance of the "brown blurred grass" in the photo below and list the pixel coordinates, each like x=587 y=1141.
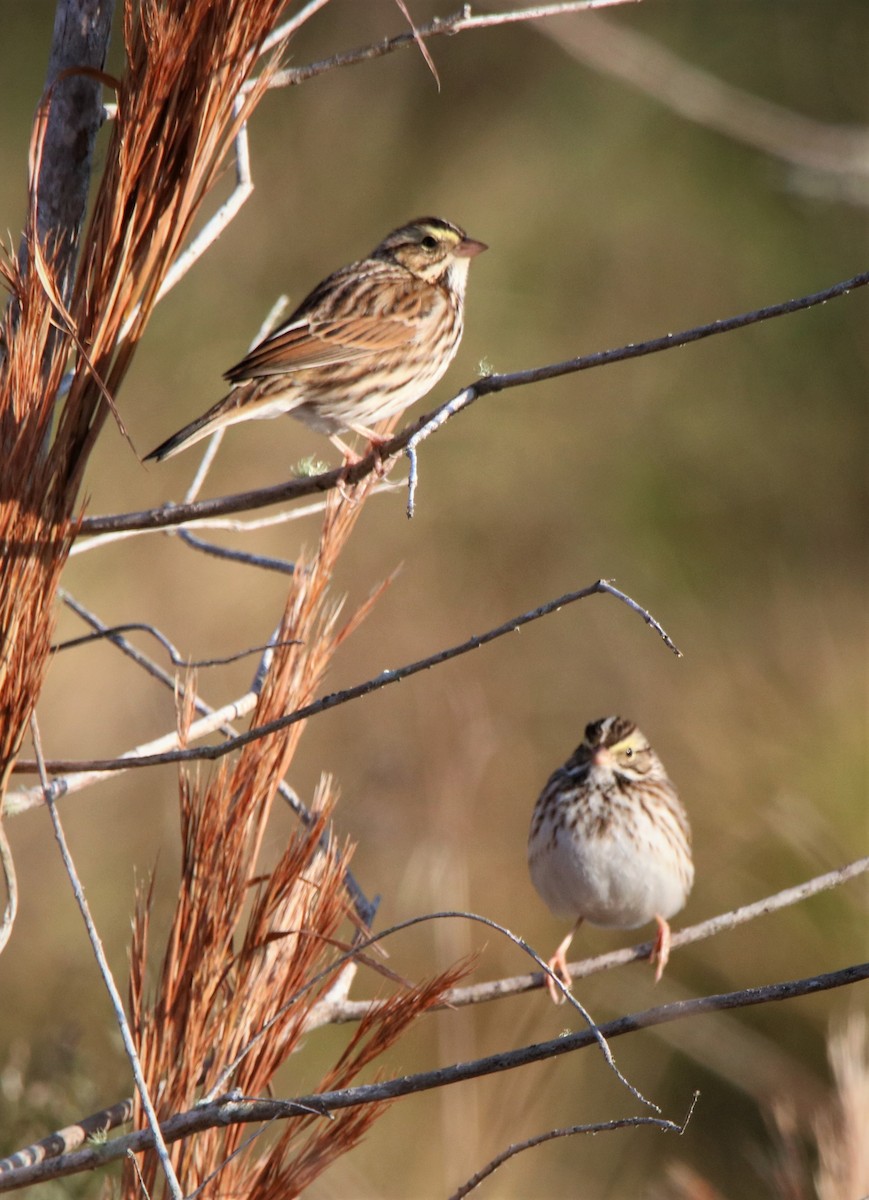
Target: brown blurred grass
x=722 y=485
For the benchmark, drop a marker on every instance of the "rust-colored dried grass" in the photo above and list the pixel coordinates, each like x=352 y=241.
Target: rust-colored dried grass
x=174 y=128
x=243 y=946
x=34 y=530
x=176 y=120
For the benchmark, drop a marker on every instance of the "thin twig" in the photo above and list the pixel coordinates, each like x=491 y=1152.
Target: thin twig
x=164 y=517
x=215 y=226
x=284 y=32
x=384 y=487
x=105 y=971
x=138 y=1173
x=374 y=939
x=144 y=757
x=336 y=1010
x=10 y=883
x=214 y=442
x=601 y=1127
x=442 y=415
x=240 y=1148
x=114 y=634
x=265 y=562
x=460 y=22
x=365 y=909
x=499 y=989
x=233 y=1110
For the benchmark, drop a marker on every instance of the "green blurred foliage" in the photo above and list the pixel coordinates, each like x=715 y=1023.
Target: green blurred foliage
x=722 y=485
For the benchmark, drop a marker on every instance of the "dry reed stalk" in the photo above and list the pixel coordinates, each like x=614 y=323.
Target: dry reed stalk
x=244 y=945
x=178 y=111
x=831 y=1131
x=842 y=1132
x=34 y=530
x=240 y=945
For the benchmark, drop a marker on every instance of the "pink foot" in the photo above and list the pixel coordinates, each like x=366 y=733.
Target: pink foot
x=558 y=964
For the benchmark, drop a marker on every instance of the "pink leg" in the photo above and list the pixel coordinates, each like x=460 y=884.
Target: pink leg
x=558 y=964
x=661 y=948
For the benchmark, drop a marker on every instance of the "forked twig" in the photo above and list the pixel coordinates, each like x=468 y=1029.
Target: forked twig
x=365 y=908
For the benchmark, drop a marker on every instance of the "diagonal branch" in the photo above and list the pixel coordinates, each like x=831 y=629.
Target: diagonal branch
x=170 y=515
x=146 y=757
x=232 y=1109
x=499 y=989
x=459 y=22
x=330 y=1010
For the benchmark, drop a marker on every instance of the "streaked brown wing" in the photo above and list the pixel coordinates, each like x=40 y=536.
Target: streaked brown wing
x=310 y=344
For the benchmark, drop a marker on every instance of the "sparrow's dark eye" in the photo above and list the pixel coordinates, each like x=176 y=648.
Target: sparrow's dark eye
x=629 y=753
x=429 y=242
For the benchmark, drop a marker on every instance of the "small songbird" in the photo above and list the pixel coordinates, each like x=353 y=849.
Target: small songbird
x=610 y=842
x=368 y=342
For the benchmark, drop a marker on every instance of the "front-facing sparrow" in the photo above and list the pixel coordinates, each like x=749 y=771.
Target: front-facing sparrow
x=609 y=841
x=368 y=342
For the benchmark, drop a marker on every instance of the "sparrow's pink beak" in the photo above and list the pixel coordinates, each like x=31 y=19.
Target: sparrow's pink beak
x=602 y=757
x=468 y=248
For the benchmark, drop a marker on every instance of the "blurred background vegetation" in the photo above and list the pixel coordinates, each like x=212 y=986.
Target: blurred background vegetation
x=722 y=485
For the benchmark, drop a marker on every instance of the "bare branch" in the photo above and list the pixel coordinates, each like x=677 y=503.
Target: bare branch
x=239 y=1110
x=114 y=634
x=460 y=22
x=383 y=487
x=263 y=561
x=355 y=953
x=499 y=989
x=162 y=518
x=601 y=1127
x=365 y=908
x=284 y=32
x=335 y=1008
x=66 y=1140
x=146 y=756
